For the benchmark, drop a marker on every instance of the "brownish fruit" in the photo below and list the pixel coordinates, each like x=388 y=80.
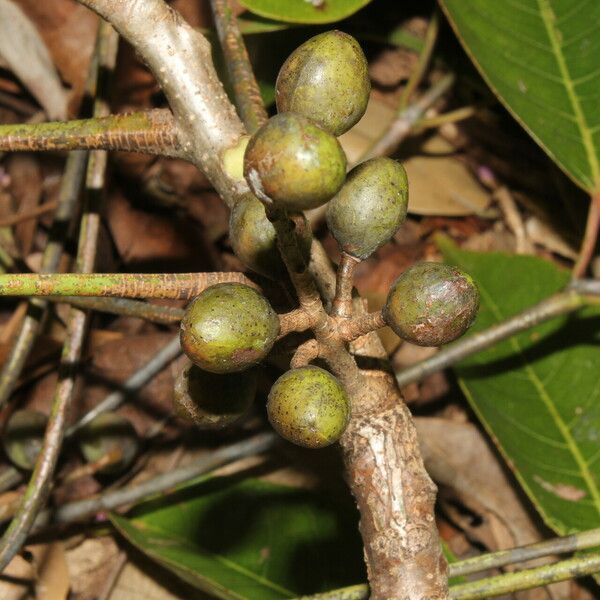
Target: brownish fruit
x=370 y=207
x=431 y=304
x=229 y=327
x=109 y=433
x=327 y=80
x=23 y=437
x=293 y=163
x=254 y=240
x=309 y=407
x=212 y=401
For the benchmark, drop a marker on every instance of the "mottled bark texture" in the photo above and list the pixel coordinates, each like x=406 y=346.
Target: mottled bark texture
x=395 y=496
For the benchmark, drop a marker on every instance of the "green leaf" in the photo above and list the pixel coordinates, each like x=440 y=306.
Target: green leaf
x=250 y=539
x=304 y=11
x=542 y=58
x=538 y=393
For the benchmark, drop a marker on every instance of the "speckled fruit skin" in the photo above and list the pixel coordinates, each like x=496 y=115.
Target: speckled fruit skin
x=431 y=304
x=228 y=327
x=23 y=437
x=105 y=433
x=309 y=407
x=370 y=207
x=254 y=240
x=294 y=163
x=327 y=80
x=212 y=401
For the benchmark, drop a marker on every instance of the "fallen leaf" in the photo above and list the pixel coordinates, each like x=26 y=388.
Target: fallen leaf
x=24 y=51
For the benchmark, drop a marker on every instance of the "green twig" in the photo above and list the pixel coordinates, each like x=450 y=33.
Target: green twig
x=149 y=132
x=418 y=72
x=578 y=566
x=40 y=483
x=241 y=75
x=116 y=285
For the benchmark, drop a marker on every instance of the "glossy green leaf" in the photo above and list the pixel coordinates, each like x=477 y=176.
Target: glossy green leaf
x=304 y=11
x=251 y=539
x=542 y=58
x=538 y=393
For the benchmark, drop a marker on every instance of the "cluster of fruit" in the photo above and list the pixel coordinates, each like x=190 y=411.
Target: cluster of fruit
x=294 y=162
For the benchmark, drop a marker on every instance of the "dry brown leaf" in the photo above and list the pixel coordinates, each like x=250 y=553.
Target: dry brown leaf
x=547 y=237
x=439 y=185
x=27 y=56
x=53 y=580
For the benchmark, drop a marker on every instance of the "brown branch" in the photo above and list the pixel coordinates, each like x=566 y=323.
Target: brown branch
x=295 y=321
x=361 y=325
x=590 y=237
x=241 y=76
x=149 y=132
x=342 y=302
x=305 y=353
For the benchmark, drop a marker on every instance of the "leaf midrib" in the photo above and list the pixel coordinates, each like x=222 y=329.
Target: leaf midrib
x=548 y=16
x=547 y=400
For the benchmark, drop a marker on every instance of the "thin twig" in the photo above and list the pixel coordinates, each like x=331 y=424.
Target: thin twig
x=148 y=132
x=342 y=302
x=511 y=582
x=578 y=566
x=241 y=75
x=116 y=285
x=15 y=219
x=362 y=324
x=25 y=338
x=400 y=128
x=40 y=483
x=305 y=353
x=11 y=476
x=521 y=554
x=590 y=237
x=81 y=509
x=125 y=307
x=140 y=378
x=420 y=69
x=453 y=116
x=554 y=306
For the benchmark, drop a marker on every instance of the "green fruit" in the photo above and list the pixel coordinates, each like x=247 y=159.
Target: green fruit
x=327 y=80
x=212 y=401
x=106 y=433
x=431 y=304
x=254 y=240
x=23 y=437
x=309 y=407
x=293 y=163
x=228 y=327
x=370 y=207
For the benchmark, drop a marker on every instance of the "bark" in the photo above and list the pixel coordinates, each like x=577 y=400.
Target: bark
x=395 y=497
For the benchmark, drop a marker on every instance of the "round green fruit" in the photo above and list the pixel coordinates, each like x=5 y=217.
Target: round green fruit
x=431 y=304
x=254 y=239
x=229 y=327
x=23 y=437
x=107 y=433
x=327 y=80
x=370 y=207
x=212 y=401
x=309 y=407
x=293 y=163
